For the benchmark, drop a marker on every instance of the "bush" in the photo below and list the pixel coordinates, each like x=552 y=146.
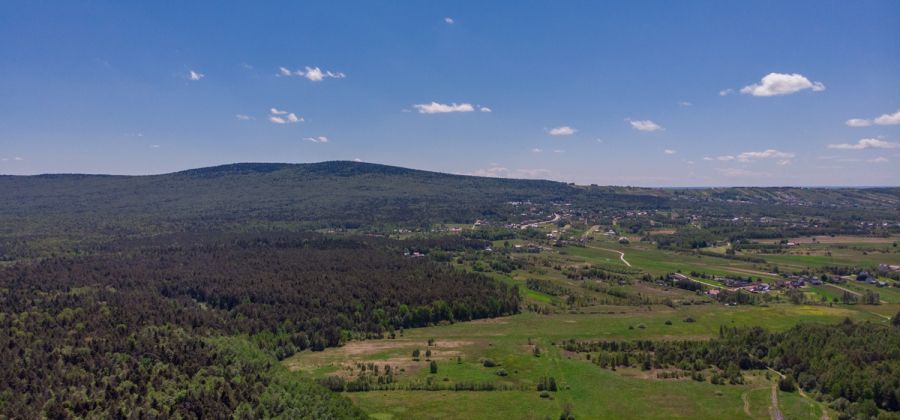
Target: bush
x=488 y=363
x=502 y=372
x=433 y=367
x=786 y=384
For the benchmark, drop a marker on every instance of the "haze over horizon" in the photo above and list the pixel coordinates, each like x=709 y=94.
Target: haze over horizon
x=645 y=93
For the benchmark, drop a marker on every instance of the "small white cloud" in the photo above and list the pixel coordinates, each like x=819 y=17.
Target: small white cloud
x=707 y=158
x=314 y=74
x=865 y=144
x=889 y=119
x=644 y=125
x=154 y=146
x=685 y=103
x=439 y=108
x=669 y=152
x=193 y=75
x=559 y=151
x=485 y=109
x=776 y=84
x=858 y=122
x=18 y=159
x=726 y=92
x=318 y=139
x=747 y=157
x=279 y=116
x=243 y=117
x=449 y=20
x=879 y=159
x=562 y=131
x=357 y=160
x=599 y=140
x=536 y=150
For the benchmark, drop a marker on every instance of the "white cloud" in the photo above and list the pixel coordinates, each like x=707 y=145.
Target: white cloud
x=858 y=122
x=775 y=84
x=154 y=146
x=865 y=144
x=562 y=131
x=884 y=119
x=889 y=119
x=685 y=103
x=726 y=92
x=485 y=109
x=669 y=152
x=784 y=157
x=644 y=125
x=18 y=159
x=559 y=151
x=880 y=159
x=449 y=20
x=317 y=139
x=599 y=140
x=493 y=171
x=357 y=160
x=740 y=172
x=707 y=158
x=193 y=75
x=314 y=74
x=536 y=150
x=497 y=171
x=279 y=116
x=243 y=117
x=439 y=108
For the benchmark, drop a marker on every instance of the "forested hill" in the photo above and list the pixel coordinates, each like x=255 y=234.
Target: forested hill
x=346 y=194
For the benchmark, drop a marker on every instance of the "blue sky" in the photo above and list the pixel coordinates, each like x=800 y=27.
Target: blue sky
x=651 y=93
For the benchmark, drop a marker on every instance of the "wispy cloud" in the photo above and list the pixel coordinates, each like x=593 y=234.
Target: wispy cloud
x=536 y=150
x=449 y=20
x=243 y=117
x=314 y=74
x=562 y=131
x=644 y=125
x=858 y=122
x=439 y=108
x=746 y=157
x=497 y=171
x=685 y=103
x=669 y=152
x=884 y=119
x=726 y=92
x=776 y=84
x=317 y=139
x=559 y=151
x=195 y=76
x=865 y=144
x=485 y=109
x=279 y=116
x=879 y=159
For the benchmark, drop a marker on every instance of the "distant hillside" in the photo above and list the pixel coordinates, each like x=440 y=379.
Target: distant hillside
x=346 y=194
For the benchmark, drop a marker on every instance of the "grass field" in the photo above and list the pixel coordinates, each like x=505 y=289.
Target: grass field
x=459 y=349
x=592 y=392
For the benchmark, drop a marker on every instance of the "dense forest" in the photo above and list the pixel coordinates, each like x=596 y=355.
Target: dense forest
x=853 y=366
x=353 y=194
x=133 y=331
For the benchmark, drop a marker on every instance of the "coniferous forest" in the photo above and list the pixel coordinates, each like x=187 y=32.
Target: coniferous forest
x=137 y=331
